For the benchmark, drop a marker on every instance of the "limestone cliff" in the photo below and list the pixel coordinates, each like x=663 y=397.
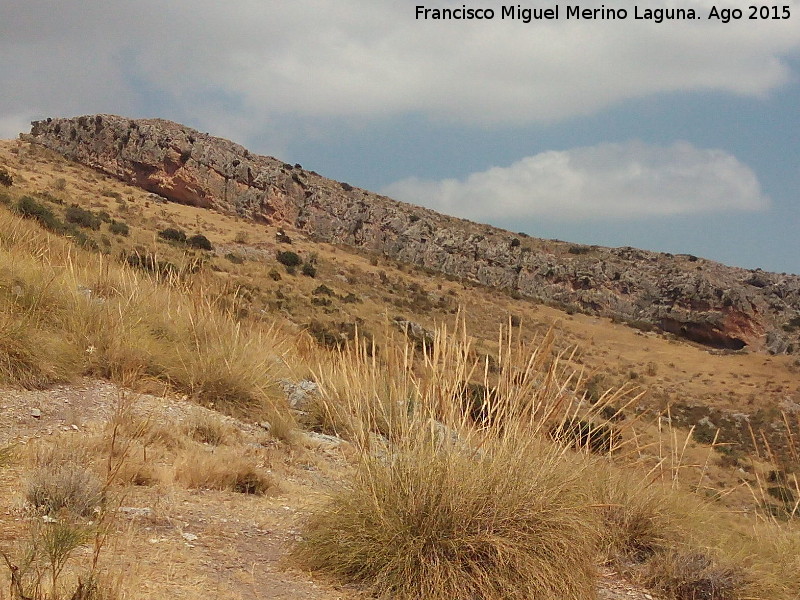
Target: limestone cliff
x=723 y=307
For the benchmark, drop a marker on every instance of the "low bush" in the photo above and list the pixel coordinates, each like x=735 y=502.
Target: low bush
x=289 y=259
x=5 y=177
x=200 y=242
x=82 y=217
x=119 y=228
x=579 y=250
x=30 y=209
x=60 y=482
x=171 y=234
x=309 y=270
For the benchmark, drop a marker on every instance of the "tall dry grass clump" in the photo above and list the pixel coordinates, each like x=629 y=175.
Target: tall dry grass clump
x=442 y=506
x=518 y=499
x=66 y=312
x=433 y=521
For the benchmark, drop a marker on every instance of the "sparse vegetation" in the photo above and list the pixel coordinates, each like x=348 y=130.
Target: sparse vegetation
x=82 y=217
x=119 y=228
x=469 y=467
x=5 y=177
x=172 y=234
x=289 y=259
x=200 y=242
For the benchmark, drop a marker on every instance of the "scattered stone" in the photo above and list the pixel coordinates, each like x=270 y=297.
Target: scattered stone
x=36 y=413
x=189 y=537
x=323 y=440
x=418 y=334
x=300 y=395
x=134 y=511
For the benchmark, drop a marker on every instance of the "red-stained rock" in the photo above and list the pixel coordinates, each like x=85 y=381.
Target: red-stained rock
x=710 y=303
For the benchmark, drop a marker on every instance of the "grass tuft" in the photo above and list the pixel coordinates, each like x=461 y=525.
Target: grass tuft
x=61 y=481
x=443 y=524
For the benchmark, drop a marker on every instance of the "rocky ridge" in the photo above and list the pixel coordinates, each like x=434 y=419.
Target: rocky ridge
x=701 y=300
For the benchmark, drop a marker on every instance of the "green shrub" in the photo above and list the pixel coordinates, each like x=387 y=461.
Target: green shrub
x=289 y=259
x=323 y=290
x=171 y=234
x=200 y=242
x=30 y=209
x=579 y=250
x=309 y=270
x=82 y=217
x=119 y=228
x=5 y=177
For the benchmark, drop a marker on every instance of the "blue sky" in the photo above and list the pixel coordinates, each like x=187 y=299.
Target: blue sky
x=682 y=136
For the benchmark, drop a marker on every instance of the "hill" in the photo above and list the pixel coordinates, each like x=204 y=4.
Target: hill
x=722 y=307
x=174 y=302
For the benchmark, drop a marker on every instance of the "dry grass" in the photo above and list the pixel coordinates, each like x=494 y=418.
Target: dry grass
x=452 y=496
x=435 y=523
x=65 y=312
x=452 y=508
x=208 y=428
x=221 y=469
x=426 y=513
x=60 y=480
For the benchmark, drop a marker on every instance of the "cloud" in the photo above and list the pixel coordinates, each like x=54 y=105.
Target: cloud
x=616 y=181
x=368 y=59
x=11 y=125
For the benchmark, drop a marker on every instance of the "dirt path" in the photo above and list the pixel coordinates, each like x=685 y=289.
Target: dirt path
x=178 y=543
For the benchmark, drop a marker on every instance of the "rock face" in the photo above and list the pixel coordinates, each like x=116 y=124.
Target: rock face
x=723 y=307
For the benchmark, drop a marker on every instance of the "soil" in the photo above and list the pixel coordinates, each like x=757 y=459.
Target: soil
x=179 y=543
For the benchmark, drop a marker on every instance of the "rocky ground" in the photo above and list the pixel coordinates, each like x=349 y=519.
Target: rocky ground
x=179 y=543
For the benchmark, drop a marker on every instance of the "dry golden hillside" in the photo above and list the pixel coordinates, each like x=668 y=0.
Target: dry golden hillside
x=120 y=313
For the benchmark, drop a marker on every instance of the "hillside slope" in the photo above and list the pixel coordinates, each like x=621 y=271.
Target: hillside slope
x=105 y=293
x=704 y=301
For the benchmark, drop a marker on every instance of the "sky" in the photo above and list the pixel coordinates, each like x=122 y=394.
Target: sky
x=681 y=136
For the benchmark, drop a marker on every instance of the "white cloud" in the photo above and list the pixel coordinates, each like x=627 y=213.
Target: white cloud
x=11 y=125
x=368 y=58
x=619 y=181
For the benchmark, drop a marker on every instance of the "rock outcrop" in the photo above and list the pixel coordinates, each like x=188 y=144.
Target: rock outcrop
x=723 y=307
